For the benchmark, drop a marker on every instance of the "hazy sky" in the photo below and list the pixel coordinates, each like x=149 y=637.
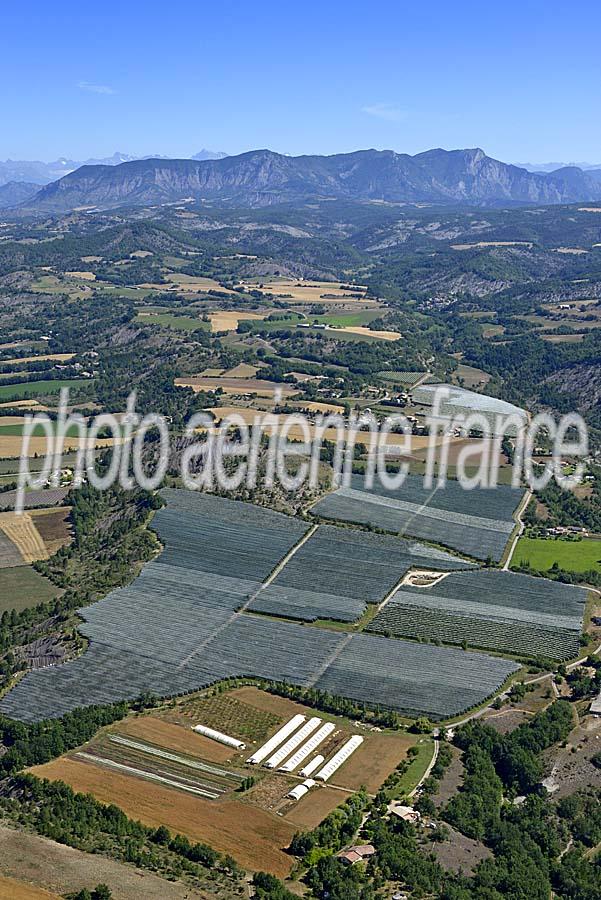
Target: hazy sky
x=522 y=80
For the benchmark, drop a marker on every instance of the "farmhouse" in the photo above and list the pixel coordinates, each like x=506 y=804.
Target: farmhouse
x=356 y=854
x=406 y=813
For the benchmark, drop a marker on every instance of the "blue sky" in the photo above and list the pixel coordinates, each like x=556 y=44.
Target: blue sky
x=521 y=80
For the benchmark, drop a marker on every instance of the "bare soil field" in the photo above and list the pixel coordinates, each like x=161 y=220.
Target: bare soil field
x=418 y=444
x=256 y=839
x=174 y=737
x=470 y=377
x=314 y=807
x=373 y=762
x=45 y=864
x=450 y=781
x=563 y=338
x=570 y=768
x=53 y=527
x=459 y=853
x=506 y=720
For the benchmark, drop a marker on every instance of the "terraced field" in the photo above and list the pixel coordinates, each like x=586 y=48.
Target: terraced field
x=182 y=624
x=490 y=609
x=477 y=523
x=337 y=572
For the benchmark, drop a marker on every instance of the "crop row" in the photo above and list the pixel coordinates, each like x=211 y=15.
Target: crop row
x=178 y=628
x=472 y=540
x=510 y=637
x=338 y=571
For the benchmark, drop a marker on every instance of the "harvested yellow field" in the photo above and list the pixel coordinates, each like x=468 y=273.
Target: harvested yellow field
x=367 y=332
x=311 y=291
x=11 y=420
x=480 y=244
x=11 y=445
x=24 y=535
x=21 y=404
x=227 y=320
x=53 y=357
x=141 y=254
x=91 y=259
x=572 y=251
x=11 y=889
x=316 y=406
x=85 y=276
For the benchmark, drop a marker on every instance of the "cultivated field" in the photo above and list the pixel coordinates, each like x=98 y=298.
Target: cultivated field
x=337 y=572
x=490 y=609
x=43 y=357
x=9 y=553
x=574 y=556
x=184 y=624
x=402 y=379
x=168 y=320
x=321 y=292
x=161 y=730
x=21 y=530
x=30 y=389
x=477 y=523
x=53 y=527
x=254 y=837
x=235 y=385
x=369 y=765
x=226 y=320
x=369 y=332
x=22 y=587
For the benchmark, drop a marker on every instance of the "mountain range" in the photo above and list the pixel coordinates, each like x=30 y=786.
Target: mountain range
x=261 y=178
x=552 y=166
x=40 y=173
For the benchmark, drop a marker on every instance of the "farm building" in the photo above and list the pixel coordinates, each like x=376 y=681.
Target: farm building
x=356 y=854
x=596 y=705
x=406 y=813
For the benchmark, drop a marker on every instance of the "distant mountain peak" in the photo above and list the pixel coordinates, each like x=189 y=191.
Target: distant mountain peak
x=209 y=154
